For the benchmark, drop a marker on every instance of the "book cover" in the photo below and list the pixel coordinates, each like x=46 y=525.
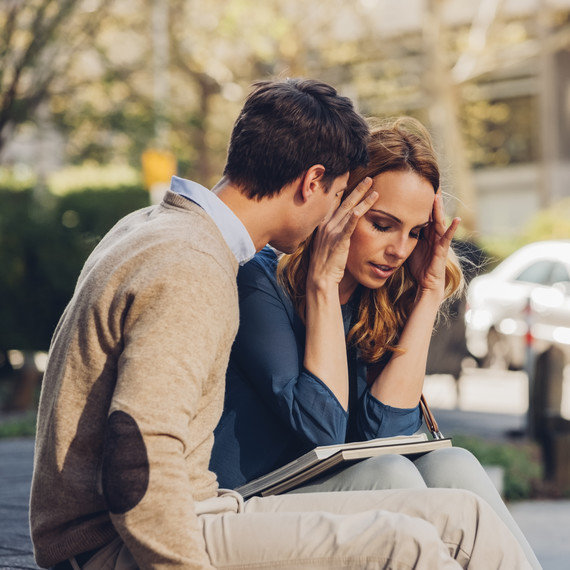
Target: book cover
x=325 y=458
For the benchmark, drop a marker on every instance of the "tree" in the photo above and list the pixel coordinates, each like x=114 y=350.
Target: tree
x=40 y=39
x=104 y=95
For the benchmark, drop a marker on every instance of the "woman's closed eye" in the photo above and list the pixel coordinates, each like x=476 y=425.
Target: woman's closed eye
x=415 y=234
x=380 y=227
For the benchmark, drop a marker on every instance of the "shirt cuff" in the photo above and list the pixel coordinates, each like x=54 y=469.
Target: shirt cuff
x=381 y=420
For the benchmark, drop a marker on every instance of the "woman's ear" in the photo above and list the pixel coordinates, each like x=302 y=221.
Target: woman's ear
x=312 y=181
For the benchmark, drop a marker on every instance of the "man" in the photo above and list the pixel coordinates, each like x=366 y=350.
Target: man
x=135 y=378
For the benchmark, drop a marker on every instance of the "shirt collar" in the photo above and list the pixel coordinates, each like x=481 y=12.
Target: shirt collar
x=230 y=226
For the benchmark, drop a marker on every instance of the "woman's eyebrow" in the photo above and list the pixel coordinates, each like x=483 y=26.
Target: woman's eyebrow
x=386 y=214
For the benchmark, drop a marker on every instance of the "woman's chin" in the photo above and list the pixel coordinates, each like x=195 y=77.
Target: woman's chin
x=373 y=282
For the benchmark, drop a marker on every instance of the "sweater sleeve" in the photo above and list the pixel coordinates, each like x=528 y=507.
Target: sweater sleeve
x=269 y=351
x=164 y=407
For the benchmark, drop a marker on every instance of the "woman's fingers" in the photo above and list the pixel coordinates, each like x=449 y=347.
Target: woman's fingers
x=355 y=197
x=438 y=214
x=444 y=234
x=438 y=237
x=450 y=232
x=339 y=212
x=358 y=211
x=437 y=246
x=332 y=241
x=360 y=200
x=343 y=220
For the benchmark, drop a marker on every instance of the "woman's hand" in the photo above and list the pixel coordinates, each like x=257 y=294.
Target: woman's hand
x=400 y=382
x=332 y=239
x=325 y=345
x=427 y=262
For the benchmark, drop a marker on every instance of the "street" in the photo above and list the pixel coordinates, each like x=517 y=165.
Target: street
x=484 y=402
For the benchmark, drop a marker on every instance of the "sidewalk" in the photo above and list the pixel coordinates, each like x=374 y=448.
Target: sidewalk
x=545 y=523
x=16 y=456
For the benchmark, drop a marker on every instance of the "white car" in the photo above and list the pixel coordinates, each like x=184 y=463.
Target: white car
x=522 y=305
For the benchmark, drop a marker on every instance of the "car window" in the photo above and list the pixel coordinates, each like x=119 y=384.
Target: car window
x=559 y=273
x=538 y=272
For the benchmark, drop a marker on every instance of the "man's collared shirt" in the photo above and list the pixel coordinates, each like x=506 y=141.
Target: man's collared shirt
x=230 y=226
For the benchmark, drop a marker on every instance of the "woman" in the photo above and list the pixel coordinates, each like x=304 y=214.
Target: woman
x=333 y=339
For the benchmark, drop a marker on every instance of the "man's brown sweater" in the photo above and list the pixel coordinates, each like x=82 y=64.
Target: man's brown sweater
x=133 y=390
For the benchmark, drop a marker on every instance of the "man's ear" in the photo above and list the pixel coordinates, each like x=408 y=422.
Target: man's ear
x=312 y=181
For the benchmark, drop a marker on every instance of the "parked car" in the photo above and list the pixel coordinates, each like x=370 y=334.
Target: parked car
x=524 y=302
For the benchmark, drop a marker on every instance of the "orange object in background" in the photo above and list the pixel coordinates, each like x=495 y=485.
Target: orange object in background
x=158 y=167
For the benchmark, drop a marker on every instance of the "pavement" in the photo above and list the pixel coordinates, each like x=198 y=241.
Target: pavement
x=472 y=411
x=16 y=460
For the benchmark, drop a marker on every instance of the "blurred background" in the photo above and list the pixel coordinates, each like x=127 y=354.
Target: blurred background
x=101 y=101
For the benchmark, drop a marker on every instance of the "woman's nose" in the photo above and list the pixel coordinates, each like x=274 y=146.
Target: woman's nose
x=397 y=248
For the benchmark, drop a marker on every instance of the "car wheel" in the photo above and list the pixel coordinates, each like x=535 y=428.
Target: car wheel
x=499 y=354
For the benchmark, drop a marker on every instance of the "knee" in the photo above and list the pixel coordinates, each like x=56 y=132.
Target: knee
x=453 y=457
x=378 y=539
x=385 y=472
x=449 y=467
x=409 y=541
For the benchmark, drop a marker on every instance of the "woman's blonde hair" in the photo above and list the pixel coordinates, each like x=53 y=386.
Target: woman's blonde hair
x=402 y=144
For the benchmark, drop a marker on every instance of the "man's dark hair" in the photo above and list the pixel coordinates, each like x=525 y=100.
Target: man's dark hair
x=287 y=126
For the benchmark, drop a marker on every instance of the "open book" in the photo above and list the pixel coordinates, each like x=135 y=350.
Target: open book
x=328 y=457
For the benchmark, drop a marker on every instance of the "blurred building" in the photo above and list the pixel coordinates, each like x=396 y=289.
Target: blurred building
x=490 y=77
x=537 y=174
x=496 y=71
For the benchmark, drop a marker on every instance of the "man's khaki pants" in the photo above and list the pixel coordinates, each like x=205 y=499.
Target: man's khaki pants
x=394 y=529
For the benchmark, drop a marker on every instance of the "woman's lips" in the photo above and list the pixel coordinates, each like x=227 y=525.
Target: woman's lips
x=382 y=271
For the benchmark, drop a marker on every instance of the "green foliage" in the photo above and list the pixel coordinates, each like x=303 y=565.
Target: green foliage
x=40 y=40
x=88 y=214
x=44 y=241
x=552 y=223
x=522 y=470
x=21 y=426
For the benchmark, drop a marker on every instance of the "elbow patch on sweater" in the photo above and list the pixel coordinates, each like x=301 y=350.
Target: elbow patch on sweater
x=125 y=469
